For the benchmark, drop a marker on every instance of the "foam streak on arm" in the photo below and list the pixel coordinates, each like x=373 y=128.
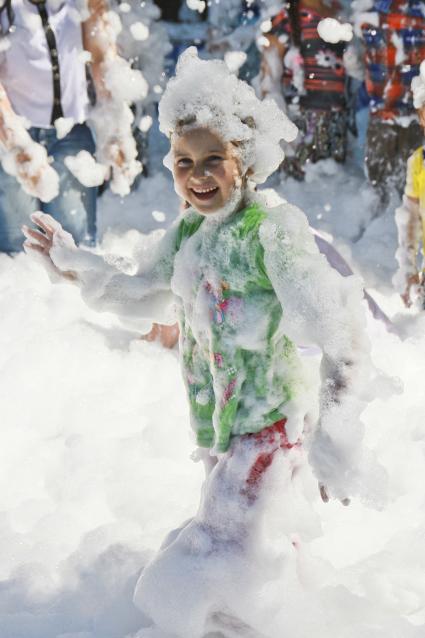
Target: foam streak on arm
x=117 y=86
x=23 y=158
x=323 y=308
x=144 y=296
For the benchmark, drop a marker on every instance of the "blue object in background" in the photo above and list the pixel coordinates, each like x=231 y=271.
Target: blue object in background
x=363 y=97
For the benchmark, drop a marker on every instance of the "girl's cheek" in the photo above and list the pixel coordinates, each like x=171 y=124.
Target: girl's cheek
x=179 y=184
x=221 y=175
x=232 y=178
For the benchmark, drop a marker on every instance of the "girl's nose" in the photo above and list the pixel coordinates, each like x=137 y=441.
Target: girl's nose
x=199 y=170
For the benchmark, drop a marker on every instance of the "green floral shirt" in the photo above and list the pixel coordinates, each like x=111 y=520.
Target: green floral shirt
x=248 y=288
x=239 y=368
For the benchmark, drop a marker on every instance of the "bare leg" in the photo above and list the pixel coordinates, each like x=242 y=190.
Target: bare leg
x=183 y=590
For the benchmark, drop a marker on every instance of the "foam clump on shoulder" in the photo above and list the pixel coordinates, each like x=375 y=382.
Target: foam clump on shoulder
x=204 y=93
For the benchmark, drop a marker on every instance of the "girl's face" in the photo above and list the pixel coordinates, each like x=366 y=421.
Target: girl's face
x=205 y=170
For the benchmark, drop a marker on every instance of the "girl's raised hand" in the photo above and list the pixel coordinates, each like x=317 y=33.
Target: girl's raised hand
x=40 y=241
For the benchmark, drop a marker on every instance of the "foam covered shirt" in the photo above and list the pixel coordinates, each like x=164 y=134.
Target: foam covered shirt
x=239 y=367
x=247 y=289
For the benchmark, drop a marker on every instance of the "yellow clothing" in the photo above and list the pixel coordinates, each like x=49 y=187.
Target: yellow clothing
x=415 y=183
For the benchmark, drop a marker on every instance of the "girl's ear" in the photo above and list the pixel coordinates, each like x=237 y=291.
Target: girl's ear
x=247 y=175
x=246 y=179
x=184 y=205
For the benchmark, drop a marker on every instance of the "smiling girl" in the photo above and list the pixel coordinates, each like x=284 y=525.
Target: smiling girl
x=205 y=169
x=249 y=285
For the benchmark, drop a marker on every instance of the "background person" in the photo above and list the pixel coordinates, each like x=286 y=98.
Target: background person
x=393 y=33
x=311 y=75
x=410 y=217
x=44 y=84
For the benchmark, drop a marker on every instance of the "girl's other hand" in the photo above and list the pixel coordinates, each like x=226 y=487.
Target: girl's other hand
x=166 y=335
x=40 y=241
x=325 y=496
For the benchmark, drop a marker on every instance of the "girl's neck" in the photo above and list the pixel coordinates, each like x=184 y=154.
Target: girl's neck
x=236 y=202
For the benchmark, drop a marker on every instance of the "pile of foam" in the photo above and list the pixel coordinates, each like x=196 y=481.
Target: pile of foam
x=71 y=549
x=418 y=87
x=206 y=94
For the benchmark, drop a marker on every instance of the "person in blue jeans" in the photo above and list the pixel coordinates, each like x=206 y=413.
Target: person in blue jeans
x=74 y=206
x=43 y=86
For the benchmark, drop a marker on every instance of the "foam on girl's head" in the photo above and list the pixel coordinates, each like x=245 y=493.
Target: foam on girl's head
x=418 y=87
x=205 y=94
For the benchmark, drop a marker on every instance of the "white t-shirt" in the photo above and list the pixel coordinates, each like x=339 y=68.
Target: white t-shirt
x=26 y=67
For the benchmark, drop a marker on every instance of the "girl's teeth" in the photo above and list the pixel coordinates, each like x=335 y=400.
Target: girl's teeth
x=206 y=190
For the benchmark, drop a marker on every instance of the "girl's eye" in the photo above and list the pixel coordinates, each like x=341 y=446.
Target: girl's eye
x=214 y=159
x=184 y=162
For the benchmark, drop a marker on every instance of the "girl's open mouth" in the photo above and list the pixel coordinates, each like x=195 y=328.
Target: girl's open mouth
x=205 y=193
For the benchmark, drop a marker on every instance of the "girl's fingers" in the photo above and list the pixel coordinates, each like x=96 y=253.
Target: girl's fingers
x=49 y=220
x=323 y=493
x=46 y=222
x=37 y=219
x=35 y=247
x=39 y=237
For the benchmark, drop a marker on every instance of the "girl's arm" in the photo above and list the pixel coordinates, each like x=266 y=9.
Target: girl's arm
x=321 y=307
x=104 y=288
